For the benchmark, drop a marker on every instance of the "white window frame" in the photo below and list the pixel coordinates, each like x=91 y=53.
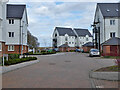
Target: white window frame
x=11 y=21
x=10 y=47
x=112 y=22
x=0 y=46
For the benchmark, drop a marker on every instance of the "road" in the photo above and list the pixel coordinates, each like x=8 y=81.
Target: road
x=69 y=70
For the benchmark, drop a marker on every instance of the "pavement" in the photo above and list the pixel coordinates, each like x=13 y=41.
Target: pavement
x=68 y=70
x=5 y=69
x=113 y=76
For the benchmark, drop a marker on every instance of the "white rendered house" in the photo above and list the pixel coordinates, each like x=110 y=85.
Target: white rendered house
x=107 y=21
x=64 y=36
x=83 y=36
x=16 y=33
x=2 y=26
x=72 y=37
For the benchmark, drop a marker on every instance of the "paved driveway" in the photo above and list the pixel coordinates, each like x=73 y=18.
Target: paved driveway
x=69 y=70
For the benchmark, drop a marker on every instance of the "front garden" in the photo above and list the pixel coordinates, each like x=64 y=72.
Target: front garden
x=15 y=59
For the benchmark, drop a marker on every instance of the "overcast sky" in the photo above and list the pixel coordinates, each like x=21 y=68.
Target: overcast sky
x=44 y=16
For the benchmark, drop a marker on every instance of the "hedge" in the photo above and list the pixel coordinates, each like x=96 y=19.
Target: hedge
x=43 y=53
x=19 y=60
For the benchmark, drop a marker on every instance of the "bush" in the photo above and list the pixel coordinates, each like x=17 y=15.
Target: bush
x=19 y=60
x=13 y=56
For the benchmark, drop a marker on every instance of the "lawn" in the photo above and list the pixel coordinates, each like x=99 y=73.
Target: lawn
x=111 y=57
x=109 y=69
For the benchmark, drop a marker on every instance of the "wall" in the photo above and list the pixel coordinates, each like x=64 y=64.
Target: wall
x=17 y=49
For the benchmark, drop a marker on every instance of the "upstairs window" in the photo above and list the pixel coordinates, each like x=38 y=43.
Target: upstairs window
x=87 y=39
x=11 y=21
x=112 y=34
x=11 y=34
x=66 y=39
x=112 y=22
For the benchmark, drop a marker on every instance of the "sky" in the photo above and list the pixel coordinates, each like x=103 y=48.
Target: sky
x=45 y=15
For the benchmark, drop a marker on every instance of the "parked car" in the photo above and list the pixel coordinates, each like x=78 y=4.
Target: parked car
x=77 y=50
x=56 y=49
x=94 y=52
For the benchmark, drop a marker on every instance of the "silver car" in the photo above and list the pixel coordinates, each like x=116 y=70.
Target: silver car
x=94 y=52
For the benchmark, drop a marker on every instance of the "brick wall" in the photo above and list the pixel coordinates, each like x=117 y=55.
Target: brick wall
x=66 y=49
x=3 y=49
x=111 y=50
x=87 y=49
x=17 y=49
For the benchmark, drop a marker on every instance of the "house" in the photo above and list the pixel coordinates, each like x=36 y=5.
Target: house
x=63 y=36
x=106 y=22
x=67 y=39
x=16 y=32
x=2 y=27
x=111 y=47
x=88 y=46
x=83 y=36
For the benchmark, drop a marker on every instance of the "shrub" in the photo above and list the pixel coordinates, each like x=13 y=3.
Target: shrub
x=19 y=60
x=13 y=56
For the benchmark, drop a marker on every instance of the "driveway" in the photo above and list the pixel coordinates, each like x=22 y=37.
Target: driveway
x=68 y=70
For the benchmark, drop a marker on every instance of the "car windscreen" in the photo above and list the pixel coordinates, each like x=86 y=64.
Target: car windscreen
x=94 y=50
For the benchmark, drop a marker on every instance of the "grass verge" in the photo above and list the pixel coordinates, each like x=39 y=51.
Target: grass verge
x=109 y=69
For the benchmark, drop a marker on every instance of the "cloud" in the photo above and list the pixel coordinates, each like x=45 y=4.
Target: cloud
x=45 y=16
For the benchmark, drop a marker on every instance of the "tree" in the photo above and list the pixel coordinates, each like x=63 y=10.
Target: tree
x=32 y=40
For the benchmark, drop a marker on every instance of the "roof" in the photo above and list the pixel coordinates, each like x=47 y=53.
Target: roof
x=110 y=9
x=89 y=44
x=112 y=41
x=62 y=31
x=64 y=45
x=15 y=11
x=83 y=32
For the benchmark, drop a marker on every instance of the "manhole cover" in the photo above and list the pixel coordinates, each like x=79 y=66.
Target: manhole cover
x=67 y=61
x=52 y=63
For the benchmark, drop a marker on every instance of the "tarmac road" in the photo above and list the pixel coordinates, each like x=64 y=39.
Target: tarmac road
x=69 y=70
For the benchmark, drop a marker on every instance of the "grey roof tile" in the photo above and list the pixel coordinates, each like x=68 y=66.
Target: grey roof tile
x=112 y=41
x=110 y=9
x=64 y=45
x=83 y=32
x=62 y=31
x=89 y=44
x=15 y=11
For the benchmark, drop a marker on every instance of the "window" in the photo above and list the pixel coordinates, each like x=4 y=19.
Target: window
x=72 y=42
x=11 y=21
x=0 y=46
x=112 y=34
x=87 y=39
x=69 y=42
x=112 y=22
x=11 y=48
x=11 y=34
x=66 y=39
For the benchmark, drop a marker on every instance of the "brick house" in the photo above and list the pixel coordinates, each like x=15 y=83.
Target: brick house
x=64 y=48
x=86 y=47
x=111 y=47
